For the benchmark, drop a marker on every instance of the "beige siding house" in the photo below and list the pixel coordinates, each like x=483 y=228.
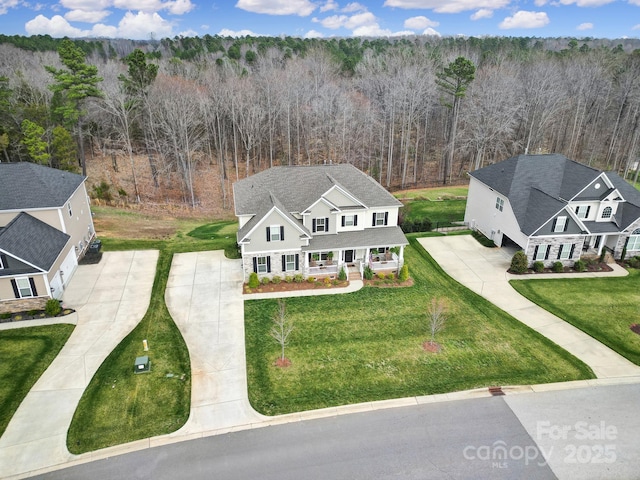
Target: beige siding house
x=314 y=221
x=45 y=227
x=554 y=209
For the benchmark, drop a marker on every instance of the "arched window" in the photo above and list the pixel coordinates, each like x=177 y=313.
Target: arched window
x=634 y=240
x=606 y=213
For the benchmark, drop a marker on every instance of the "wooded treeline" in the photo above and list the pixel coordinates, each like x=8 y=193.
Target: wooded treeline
x=242 y=105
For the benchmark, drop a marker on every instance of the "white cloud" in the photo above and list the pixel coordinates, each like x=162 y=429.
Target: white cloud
x=225 y=32
x=313 y=34
x=585 y=26
x=354 y=21
x=5 y=5
x=302 y=8
x=540 y=3
x=431 y=31
x=482 y=13
x=354 y=7
x=419 y=23
x=328 y=6
x=586 y=3
x=86 y=16
x=86 y=5
x=374 y=30
x=636 y=27
x=525 y=19
x=447 y=6
x=134 y=26
x=188 y=33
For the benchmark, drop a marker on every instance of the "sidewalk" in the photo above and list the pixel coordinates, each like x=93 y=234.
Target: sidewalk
x=110 y=299
x=484 y=270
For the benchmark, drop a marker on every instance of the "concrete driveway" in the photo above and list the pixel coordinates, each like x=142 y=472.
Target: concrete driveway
x=110 y=298
x=484 y=270
x=204 y=297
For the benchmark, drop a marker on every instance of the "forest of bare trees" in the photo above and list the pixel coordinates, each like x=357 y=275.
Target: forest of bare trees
x=240 y=107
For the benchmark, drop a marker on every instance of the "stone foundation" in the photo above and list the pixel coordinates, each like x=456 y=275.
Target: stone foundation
x=23 y=305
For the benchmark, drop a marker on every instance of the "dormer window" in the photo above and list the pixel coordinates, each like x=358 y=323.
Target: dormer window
x=320 y=225
x=582 y=211
x=607 y=212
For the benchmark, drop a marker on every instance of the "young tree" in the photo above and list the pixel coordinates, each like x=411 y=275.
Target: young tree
x=282 y=327
x=437 y=317
x=63 y=149
x=73 y=85
x=454 y=80
x=34 y=141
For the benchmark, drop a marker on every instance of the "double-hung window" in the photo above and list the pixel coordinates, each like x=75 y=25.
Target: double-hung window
x=380 y=219
x=24 y=287
x=541 y=252
x=499 y=203
x=560 y=224
x=261 y=264
x=349 y=220
x=289 y=263
x=565 y=251
x=582 y=211
x=320 y=224
x=634 y=240
x=275 y=233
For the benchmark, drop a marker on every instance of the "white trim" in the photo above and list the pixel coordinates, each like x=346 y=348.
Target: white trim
x=345 y=193
x=321 y=199
x=261 y=222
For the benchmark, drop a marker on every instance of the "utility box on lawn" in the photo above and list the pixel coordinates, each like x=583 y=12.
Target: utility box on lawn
x=142 y=364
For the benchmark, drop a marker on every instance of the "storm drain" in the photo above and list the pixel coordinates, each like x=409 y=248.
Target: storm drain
x=496 y=391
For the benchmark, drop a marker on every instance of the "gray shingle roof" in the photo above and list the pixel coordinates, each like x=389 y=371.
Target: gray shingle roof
x=298 y=187
x=264 y=209
x=538 y=186
x=28 y=185
x=369 y=237
x=33 y=241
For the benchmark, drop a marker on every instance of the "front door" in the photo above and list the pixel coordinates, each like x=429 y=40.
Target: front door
x=348 y=256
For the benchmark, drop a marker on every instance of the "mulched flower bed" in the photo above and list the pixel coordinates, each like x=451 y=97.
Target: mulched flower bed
x=31 y=315
x=592 y=267
x=294 y=286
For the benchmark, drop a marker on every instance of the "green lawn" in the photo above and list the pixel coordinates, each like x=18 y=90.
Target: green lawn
x=118 y=406
x=367 y=346
x=25 y=353
x=602 y=307
x=440 y=213
x=438 y=193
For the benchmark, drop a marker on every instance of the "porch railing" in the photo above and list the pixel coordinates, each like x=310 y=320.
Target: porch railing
x=323 y=270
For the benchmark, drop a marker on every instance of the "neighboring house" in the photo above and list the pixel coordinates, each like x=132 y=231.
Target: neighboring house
x=555 y=209
x=45 y=227
x=314 y=220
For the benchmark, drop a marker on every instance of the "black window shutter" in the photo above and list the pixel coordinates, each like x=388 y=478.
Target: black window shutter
x=588 y=208
x=268 y=234
x=297 y=262
x=553 y=225
x=373 y=223
x=573 y=247
x=15 y=288
x=268 y=264
x=326 y=224
x=577 y=209
x=560 y=251
x=343 y=220
x=255 y=264
x=284 y=263
x=282 y=232
x=3 y=261
x=34 y=292
x=566 y=224
x=314 y=226
x=355 y=220
x=546 y=255
x=386 y=218
x=535 y=252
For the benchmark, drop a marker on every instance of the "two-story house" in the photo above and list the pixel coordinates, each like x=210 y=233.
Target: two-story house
x=45 y=227
x=315 y=220
x=554 y=208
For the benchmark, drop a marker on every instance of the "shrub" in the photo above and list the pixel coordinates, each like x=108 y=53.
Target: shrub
x=381 y=275
x=391 y=276
x=311 y=280
x=579 y=266
x=52 y=308
x=403 y=276
x=4 y=316
x=538 y=266
x=557 y=267
x=519 y=262
x=327 y=281
x=288 y=279
x=254 y=281
x=342 y=276
x=634 y=262
x=368 y=273
x=298 y=278
x=276 y=279
x=265 y=280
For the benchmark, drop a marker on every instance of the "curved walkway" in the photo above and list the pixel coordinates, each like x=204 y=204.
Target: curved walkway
x=110 y=298
x=484 y=270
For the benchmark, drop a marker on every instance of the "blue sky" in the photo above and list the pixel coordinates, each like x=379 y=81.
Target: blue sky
x=144 y=19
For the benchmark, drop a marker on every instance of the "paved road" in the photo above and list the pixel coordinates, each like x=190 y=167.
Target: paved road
x=484 y=270
x=528 y=435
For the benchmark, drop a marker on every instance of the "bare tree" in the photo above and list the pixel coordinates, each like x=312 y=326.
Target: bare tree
x=282 y=327
x=437 y=317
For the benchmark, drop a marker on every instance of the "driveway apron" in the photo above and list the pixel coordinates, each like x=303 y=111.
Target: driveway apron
x=484 y=270
x=204 y=297
x=110 y=298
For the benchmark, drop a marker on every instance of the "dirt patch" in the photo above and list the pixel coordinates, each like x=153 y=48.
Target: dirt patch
x=635 y=328
x=282 y=362
x=432 y=347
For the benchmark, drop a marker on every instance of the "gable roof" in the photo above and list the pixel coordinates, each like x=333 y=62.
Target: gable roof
x=27 y=185
x=32 y=241
x=539 y=186
x=298 y=187
x=265 y=208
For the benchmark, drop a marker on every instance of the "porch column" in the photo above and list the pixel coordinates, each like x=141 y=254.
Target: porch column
x=401 y=256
